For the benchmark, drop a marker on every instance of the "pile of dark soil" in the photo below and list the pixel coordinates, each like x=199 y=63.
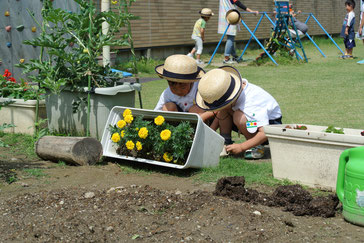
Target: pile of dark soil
x=292 y=198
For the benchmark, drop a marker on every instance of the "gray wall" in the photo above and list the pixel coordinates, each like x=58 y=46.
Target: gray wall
x=20 y=16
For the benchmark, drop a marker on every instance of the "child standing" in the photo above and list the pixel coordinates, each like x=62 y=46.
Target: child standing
x=348 y=29
x=198 y=34
x=182 y=74
x=241 y=106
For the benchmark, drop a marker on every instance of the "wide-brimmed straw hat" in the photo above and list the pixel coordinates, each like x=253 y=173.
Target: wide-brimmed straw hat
x=233 y=16
x=218 y=88
x=180 y=68
x=206 y=12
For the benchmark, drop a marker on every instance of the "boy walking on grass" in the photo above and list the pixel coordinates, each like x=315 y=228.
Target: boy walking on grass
x=348 y=29
x=198 y=34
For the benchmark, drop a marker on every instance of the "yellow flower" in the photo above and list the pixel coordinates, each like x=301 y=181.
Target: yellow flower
x=121 y=124
x=143 y=133
x=127 y=112
x=114 y=2
x=167 y=157
x=128 y=118
x=165 y=135
x=130 y=145
x=139 y=146
x=122 y=133
x=115 y=137
x=159 y=120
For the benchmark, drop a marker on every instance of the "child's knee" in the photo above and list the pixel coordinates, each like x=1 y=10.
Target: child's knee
x=170 y=107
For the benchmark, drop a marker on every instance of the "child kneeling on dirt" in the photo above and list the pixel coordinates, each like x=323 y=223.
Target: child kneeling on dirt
x=241 y=104
x=182 y=74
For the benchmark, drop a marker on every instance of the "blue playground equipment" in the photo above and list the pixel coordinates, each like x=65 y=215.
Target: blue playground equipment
x=280 y=30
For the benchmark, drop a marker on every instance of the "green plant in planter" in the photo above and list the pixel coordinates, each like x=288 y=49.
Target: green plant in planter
x=70 y=43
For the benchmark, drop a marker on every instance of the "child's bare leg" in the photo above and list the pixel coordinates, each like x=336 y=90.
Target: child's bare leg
x=215 y=124
x=225 y=118
x=170 y=107
x=198 y=56
x=350 y=51
x=193 y=51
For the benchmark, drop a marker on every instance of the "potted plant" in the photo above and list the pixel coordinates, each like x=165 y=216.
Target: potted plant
x=19 y=105
x=170 y=139
x=309 y=154
x=80 y=93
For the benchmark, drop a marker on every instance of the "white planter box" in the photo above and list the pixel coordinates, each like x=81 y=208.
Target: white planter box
x=21 y=114
x=310 y=157
x=206 y=146
x=60 y=109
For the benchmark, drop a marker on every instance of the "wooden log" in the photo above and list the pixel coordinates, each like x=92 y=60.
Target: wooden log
x=74 y=150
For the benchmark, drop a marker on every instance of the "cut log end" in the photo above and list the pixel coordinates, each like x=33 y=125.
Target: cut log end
x=74 y=150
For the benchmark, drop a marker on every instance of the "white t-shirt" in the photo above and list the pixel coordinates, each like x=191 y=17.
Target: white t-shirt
x=184 y=102
x=257 y=104
x=351 y=16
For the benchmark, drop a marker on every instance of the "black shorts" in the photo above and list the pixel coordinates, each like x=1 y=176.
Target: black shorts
x=349 y=44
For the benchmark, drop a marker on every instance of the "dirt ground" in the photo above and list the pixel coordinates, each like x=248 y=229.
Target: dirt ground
x=105 y=203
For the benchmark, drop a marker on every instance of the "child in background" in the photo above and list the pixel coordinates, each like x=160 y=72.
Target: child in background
x=182 y=74
x=241 y=106
x=198 y=34
x=348 y=29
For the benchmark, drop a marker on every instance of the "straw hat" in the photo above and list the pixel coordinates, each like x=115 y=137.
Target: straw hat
x=180 y=68
x=218 y=88
x=233 y=16
x=206 y=12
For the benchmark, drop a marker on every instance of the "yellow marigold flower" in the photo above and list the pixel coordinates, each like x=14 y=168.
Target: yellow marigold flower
x=115 y=137
x=130 y=145
x=127 y=112
x=143 y=133
x=167 y=157
x=159 y=120
x=128 y=118
x=122 y=133
x=114 y=2
x=165 y=135
x=139 y=146
x=121 y=124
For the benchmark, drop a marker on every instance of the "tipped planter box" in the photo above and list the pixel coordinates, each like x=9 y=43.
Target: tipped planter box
x=21 y=114
x=206 y=146
x=309 y=157
x=60 y=108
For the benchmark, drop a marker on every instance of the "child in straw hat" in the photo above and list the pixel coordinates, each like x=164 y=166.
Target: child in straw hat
x=238 y=104
x=198 y=34
x=182 y=74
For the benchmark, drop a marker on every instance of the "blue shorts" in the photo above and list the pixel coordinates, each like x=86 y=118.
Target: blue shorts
x=349 y=44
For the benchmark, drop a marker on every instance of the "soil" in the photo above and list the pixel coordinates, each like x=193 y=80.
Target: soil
x=107 y=203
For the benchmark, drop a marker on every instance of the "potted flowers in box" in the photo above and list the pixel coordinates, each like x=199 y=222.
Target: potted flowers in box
x=18 y=101
x=171 y=139
x=80 y=93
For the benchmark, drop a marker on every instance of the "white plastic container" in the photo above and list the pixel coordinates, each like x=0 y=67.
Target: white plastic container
x=206 y=146
x=21 y=114
x=310 y=157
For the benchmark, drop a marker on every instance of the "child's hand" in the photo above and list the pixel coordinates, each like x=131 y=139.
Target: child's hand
x=346 y=32
x=234 y=148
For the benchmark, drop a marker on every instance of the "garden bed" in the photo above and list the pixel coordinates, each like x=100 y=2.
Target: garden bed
x=311 y=156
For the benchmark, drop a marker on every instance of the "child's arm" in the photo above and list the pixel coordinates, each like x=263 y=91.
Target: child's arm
x=347 y=30
x=258 y=139
x=203 y=34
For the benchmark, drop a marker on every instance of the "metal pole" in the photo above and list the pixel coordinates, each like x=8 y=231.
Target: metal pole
x=251 y=37
x=218 y=45
x=260 y=44
x=313 y=42
x=89 y=75
x=327 y=33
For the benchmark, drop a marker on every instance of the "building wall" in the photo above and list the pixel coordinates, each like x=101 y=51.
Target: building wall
x=170 y=23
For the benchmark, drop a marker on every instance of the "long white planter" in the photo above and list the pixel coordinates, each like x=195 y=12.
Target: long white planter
x=311 y=156
x=206 y=146
x=21 y=114
x=60 y=109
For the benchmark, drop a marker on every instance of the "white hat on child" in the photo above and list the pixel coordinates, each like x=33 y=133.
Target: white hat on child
x=206 y=12
x=218 y=88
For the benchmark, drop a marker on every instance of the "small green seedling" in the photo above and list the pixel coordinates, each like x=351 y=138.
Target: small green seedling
x=332 y=129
